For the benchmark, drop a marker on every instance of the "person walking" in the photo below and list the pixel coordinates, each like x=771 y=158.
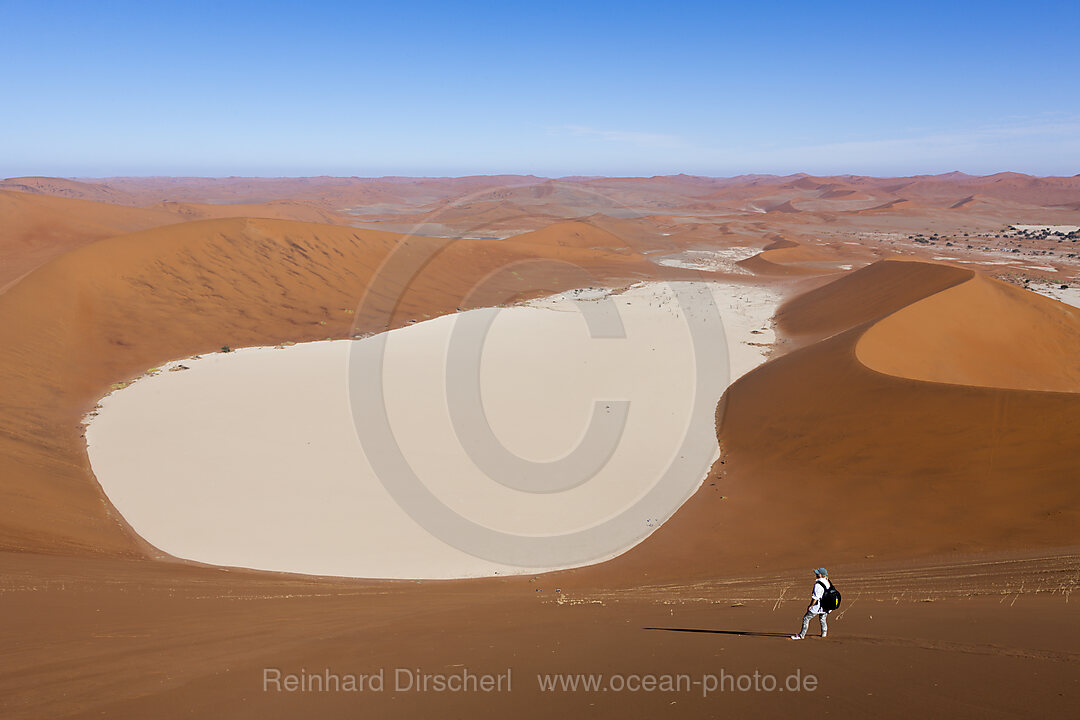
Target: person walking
x=821 y=587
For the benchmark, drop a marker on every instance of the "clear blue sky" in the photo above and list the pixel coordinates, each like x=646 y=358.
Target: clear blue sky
x=621 y=88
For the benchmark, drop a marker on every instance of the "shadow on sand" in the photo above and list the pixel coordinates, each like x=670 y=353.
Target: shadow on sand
x=748 y=633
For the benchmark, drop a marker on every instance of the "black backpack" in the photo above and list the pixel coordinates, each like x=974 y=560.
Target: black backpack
x=831 y=599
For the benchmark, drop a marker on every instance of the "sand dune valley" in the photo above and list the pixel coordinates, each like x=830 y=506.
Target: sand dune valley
x=514 y=426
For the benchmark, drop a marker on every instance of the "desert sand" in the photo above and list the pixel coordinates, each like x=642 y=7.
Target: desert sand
x=896 y=403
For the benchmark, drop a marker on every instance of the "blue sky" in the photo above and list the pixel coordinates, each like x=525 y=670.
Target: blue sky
x=347 y=88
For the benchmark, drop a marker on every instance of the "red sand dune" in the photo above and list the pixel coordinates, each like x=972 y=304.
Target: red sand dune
x=35 y=228
x=493 y=219
x=787 y=257
x=898 y=202
x=880 y=289
x=784 y=207
x=273 y=210
x=572 y=234
x=68 y=188
x=903 y=466
x=980 y=332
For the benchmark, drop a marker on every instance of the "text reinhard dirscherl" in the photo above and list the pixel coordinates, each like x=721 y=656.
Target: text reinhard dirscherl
x=416 y=680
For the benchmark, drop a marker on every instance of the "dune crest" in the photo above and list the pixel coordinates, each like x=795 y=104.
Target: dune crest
x=35 y=228
x=869 y=294
x=981 y=332
x=573 y=233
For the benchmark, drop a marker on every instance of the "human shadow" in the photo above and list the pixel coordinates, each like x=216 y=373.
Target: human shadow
x=747 y=633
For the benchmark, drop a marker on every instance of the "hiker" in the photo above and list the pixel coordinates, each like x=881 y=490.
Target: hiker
x=825 y=599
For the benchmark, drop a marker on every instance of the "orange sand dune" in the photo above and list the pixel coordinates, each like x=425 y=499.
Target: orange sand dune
x=784 y=207
x=67 y=188
x=491 y=219
x=660 y=232
x=787 y=257
x=892 y=204
x=880 y=289
x=760 y=264
x=274 y=210
x=35 y=228
x=572 y=234
x=897 y=466
x=948 y=189
x=980 y=332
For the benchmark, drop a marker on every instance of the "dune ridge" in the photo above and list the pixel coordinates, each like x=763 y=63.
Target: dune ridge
x=907 y=466
x=980 y=332
x=35 y=228
x=881 y=288
x=573 y=233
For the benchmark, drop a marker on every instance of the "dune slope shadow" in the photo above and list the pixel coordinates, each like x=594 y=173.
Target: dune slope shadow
x=745 y=633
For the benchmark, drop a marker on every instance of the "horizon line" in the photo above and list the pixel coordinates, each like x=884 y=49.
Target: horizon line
x=570 y=177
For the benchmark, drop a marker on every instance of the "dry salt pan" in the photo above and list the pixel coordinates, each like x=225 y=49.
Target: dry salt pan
x=257 y=458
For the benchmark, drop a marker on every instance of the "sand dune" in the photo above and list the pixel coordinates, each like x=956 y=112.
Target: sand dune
x=898 y=202
x=35 y=228
x=273 y=210
x=68 y=188
x=881 y=289
x=573 y=234
x=980 y=332
x=787 y=257
x=784 y=207
x=906 y=466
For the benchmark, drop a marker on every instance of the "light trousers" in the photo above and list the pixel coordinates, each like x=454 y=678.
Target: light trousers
x=810 y=616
